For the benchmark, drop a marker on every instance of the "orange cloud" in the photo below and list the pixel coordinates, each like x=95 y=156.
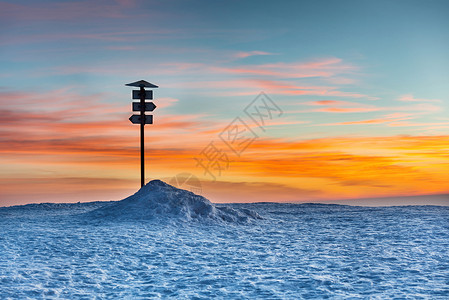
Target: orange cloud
x=43 y=146
x=24 y=190
x=414 y=124
x=345 y=162
x=370 y=121
x=253 y=191
x=269 y=169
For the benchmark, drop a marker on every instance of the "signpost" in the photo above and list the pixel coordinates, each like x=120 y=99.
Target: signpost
x=142 y=119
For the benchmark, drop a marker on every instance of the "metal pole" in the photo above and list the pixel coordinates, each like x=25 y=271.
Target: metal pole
x=142 y=136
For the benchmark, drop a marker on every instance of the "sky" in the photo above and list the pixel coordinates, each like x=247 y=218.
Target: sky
x=260 y=101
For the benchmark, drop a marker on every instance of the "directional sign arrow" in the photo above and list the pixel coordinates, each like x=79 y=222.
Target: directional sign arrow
x=148 y=94
x=149 y=106
x=135 y=119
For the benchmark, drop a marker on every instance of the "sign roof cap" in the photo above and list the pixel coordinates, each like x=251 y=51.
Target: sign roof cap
x=142 y=83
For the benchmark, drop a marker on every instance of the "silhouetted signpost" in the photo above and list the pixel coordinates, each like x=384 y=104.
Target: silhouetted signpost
x=142 y=119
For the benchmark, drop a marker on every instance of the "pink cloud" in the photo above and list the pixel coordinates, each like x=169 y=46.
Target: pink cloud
x=247 y=84
x=126 y=3
x=320 y=68
x=419 y=107
x=328 y=102
x=324 y=68
x=286 y=88
x=323 y=63
x=369 y=121
x=341 y=80
x=122 y=48
x=251 y=53
x=257 y=71
x=276 y=85
x=342 y=106
x=400 y=116
x=115 y=36
x=163 y=102
x=61 y=100
x=68 y=10
x=347 y=110
x=215 y=84
x=410 y=98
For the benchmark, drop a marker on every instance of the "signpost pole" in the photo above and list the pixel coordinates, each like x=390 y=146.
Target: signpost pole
x=143 y=119
x=142 y=136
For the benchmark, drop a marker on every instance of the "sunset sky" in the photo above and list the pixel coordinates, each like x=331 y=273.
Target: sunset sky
x=357 y=96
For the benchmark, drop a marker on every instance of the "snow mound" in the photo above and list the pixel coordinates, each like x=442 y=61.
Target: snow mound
x=159 y=200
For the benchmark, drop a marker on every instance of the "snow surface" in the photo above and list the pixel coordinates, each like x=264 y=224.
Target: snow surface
x=168 y=243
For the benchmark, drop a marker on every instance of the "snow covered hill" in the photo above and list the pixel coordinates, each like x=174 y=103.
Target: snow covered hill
x=159 y=200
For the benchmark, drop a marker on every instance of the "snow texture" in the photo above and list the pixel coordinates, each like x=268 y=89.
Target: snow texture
x=296 y=251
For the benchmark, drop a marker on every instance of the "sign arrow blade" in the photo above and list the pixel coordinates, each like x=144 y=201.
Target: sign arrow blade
x=148 y=94
x=135 y=119
x=149 y=106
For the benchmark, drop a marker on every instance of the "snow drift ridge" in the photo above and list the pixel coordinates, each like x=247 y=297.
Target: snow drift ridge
x=159 y=200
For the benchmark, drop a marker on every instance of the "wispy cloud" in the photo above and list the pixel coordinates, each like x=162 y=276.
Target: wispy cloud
x=117 y=36
x=335 y=106
x=415 y=124
x=243 y=54
x=319 y=68
x=397 y=113
x=330 y=102
x=418 y=107
x=411 y=98
x=287 y=88
x=339 y=80
x=63 y=11
x=347 y=109
x=395 y=117
x=368 y=121
x=276 y=78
